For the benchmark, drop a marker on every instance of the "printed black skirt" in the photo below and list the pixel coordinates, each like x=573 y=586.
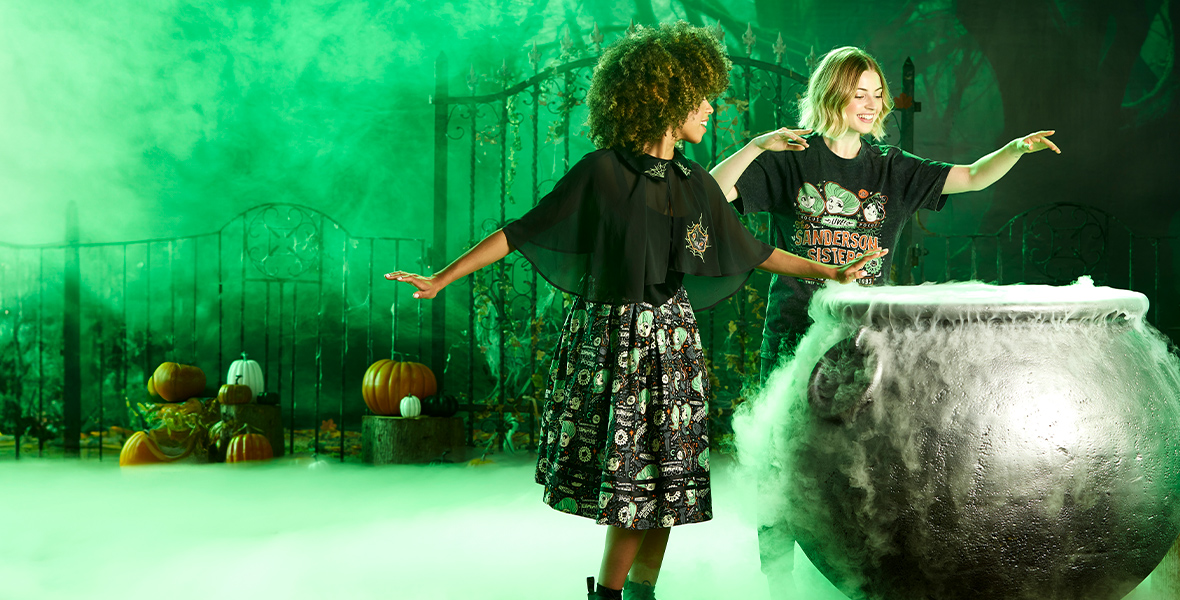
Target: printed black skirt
x=624 y=433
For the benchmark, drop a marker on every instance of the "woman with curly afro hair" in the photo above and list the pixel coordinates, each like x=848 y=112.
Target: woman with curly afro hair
x=642 y=237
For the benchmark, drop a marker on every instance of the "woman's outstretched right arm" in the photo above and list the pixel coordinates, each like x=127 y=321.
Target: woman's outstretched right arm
x=491 y=249
x=728 y=171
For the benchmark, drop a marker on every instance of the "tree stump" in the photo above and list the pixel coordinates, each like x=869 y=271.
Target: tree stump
x=410 y=440
x=267 y=420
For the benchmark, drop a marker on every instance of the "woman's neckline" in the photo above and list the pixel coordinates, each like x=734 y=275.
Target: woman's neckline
x=668 y=144
x=859 y=151
x=644 y=154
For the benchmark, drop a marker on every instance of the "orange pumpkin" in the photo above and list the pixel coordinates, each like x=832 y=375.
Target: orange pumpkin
x=235 y=394
x=176 y=383
x=141 y=449
x=248 y=446
x=387 y=382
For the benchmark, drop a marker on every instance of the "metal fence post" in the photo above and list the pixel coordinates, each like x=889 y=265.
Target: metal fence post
x=904 y=264
x=438 y=252
x=72 y=340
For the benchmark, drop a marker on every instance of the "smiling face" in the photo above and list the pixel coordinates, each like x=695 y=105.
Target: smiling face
x=810 y=200
x=864 y=108
x=846 y=95
x=835 y=204
x=840 y=200
x=872 y=212
x=693 y=129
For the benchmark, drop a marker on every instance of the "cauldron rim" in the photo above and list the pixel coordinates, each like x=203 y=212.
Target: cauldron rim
x=979 y=302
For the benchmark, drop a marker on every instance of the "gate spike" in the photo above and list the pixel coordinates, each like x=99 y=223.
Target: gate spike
x=567 y=43
x=505 y=72
x=780 y=48
x=749 y=39
x=812 y=61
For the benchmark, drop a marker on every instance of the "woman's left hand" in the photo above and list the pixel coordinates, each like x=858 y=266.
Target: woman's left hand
x=1035 y=142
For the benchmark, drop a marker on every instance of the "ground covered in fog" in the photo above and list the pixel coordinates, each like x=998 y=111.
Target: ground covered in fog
x=300 y=529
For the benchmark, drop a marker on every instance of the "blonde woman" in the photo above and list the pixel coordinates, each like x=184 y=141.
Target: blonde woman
x=869 y=191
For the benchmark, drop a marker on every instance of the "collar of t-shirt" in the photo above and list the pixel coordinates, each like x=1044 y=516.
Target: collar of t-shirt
x=817 y=139
x=657 y=168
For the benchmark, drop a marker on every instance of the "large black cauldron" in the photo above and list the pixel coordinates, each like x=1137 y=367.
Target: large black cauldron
x=992 y=443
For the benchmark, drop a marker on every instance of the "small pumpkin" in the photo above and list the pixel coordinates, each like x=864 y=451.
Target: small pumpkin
x=387 y=382
x=152 y=387
x=440 y=406
x=176 y=383
x=410 y=406
x=235 y=394
x=141 y=449
x=248 y=446
x=246 y=372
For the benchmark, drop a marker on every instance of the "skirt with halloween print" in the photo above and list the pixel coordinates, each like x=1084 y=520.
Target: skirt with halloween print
x=624 y=433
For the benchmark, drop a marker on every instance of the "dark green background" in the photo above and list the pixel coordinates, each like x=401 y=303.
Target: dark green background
x=164 y=118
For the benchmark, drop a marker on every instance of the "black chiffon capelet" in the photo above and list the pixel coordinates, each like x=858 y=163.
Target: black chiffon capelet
x=621 y=228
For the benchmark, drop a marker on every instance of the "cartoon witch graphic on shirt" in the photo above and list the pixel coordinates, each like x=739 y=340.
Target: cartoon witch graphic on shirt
x=810 y=200
x=840 y=201
x=873 y=209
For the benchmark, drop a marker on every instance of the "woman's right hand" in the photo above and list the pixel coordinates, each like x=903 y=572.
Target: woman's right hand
x=782 y=139
x=428 y=287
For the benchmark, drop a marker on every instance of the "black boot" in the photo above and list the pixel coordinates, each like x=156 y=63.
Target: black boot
x=597 y=592
x=633 y=590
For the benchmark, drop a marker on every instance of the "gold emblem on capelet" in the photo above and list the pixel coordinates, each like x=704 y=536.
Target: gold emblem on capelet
x=697 y=239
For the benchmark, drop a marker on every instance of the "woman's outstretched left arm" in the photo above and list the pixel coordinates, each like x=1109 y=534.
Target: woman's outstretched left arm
x=989 y=169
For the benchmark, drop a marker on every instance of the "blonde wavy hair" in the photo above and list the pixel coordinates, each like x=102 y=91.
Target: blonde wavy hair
x=831 y=88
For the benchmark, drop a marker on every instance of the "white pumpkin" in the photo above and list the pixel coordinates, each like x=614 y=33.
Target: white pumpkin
x=246 y=372
x=410 y=406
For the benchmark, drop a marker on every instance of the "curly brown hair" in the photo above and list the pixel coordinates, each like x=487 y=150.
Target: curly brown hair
x=649 y=81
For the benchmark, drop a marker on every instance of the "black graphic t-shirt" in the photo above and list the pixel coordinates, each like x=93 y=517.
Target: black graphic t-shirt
x=831 y=209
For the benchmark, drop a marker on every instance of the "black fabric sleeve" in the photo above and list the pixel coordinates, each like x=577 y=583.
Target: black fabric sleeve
x=760 y=185
x=561 y=235
x=923 y=179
